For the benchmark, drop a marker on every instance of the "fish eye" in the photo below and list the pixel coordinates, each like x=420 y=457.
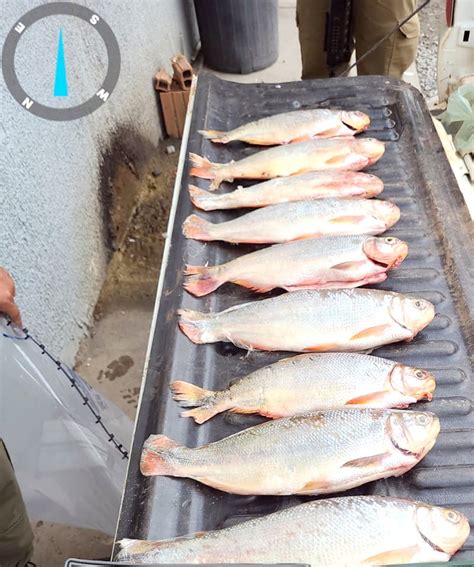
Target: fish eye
x=390 y=240
x=420 y=374
x=452 y=516
x=422 y=419
x=419 y=304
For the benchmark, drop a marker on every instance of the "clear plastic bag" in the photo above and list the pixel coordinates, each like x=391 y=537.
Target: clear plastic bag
x=68 y=444
x=459 y=118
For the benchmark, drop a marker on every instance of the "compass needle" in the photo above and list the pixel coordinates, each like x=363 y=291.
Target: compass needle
x=60 y=80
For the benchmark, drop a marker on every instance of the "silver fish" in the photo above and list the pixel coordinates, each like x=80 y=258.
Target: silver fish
x=352 y=531
x=311 y=382
x=313 y=321
x=312 y=453
x=298 y=221
x=320 y=263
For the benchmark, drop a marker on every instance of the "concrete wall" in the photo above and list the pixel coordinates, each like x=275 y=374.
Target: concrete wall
x=51 y=213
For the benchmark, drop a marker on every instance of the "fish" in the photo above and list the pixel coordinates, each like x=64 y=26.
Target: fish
x=294 y=126
x=349 y=531
x=313 y=321
x=310 y=453
x=310 y=382
x=322 y=533
x=314 y=155
x=297 y=221
x=317 y=263
x=308 y=186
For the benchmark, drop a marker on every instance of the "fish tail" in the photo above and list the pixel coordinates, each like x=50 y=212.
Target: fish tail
x=201 y=280
x=203 y=199
x=136 y=549
x=197 y=228
x=189 y=395
x=217 y=136
x=202 y=167
x=155 y=456
x=198 y=327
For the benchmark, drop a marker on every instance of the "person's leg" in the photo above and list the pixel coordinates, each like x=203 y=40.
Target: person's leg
x=16 y=535
x=311 y=21
x=375 y=18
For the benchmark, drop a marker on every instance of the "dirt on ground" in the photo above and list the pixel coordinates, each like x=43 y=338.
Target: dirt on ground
x=431 y=18
x=139 y=231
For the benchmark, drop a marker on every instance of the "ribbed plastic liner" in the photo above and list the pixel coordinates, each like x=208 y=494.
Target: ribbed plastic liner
x=440 y=268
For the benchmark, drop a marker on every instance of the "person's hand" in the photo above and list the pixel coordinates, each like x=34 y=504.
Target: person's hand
x=7 y=297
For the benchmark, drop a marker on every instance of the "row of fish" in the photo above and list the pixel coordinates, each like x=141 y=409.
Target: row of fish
x=333 y=426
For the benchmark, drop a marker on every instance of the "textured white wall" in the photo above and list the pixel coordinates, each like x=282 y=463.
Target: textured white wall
x=51 y=233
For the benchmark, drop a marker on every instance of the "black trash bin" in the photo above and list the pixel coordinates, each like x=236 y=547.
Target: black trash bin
x=238 y=36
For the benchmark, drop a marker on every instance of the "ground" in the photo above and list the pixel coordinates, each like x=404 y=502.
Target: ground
x=111 y=358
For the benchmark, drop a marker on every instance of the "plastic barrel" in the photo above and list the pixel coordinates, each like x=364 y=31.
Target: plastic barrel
x=238 y=36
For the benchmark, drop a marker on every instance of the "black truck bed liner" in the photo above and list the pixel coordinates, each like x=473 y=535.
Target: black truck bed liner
x=440 y=267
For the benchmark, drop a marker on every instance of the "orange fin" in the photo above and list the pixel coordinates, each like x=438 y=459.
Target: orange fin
x=203 y=199
x=202 y=167
x=352 y=219
x=367 y=461
x=370 y=332
x=195 y=325
x=197 y=228
x=322 y=348
x=201 y=280
x=201 y=414
x=154 y=456
x=217 y=136
x=189 y=395
x=400 y=556
x=366 y=399
x=253 y=287
x=304 y=138
x=349 y=266
x=313 y=486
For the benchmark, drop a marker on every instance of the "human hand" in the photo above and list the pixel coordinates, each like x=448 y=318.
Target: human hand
x=7 y=297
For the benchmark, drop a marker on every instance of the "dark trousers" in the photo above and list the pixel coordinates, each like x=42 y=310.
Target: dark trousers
x=16 y=535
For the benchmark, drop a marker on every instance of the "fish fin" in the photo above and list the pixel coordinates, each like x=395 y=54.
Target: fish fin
x=243 y=410
x=366 y=399
x=196 y=326
x=201 y=198
x=370 y=332
x=312 y=487
x=217 y=136
x=201 y=280
x=352 y=219
x=153 y=460
x=253 y=287
x=328 y=347
x=400 y=556
x=366 y=461
x=190 y=395
x=197 y=228
x=349 y=266
x=200 y=415
x=202 y=167
x=339 y=160
x=303 y=138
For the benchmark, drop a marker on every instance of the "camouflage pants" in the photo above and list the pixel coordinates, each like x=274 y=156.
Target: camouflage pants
x=16 y=536
x=372 y=19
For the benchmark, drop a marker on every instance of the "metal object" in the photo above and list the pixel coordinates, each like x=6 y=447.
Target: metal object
x=440 y=267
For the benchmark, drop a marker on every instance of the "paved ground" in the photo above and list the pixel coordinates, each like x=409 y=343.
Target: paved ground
x=111 y=360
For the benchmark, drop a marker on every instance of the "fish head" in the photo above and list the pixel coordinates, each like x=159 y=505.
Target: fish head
x=384 y=211
x=388 y=251
x=370 y=148
x=358 y=121
x=442 y=528
x=412 y=382
x=373 y=186
x=413 y=313
x=413 y=432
